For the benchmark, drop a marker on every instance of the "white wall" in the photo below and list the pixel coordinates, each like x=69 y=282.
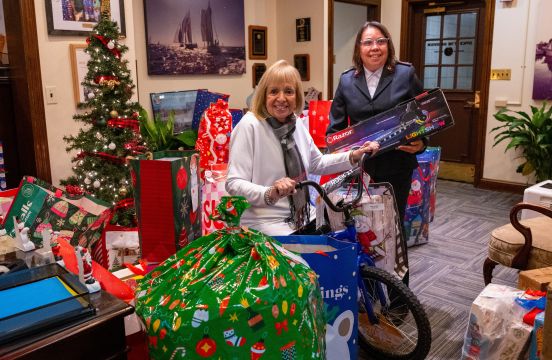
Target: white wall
x=514 y=39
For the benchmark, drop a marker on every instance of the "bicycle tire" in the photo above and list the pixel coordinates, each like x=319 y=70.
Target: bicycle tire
x=393 y=327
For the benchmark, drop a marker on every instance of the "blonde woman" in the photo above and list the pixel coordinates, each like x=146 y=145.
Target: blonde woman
x=270 y=152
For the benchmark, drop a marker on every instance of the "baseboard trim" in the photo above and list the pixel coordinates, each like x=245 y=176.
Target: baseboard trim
x=504 y=186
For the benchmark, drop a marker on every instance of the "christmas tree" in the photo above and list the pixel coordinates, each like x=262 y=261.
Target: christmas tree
x=111 y=134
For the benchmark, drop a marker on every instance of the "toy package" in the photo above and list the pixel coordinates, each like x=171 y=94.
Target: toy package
x=233 y=294
x=426 y=114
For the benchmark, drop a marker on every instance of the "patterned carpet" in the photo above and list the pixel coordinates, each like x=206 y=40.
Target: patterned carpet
x=447 y=272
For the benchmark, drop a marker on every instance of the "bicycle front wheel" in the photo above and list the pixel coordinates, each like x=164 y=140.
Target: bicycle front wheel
x=402 y=329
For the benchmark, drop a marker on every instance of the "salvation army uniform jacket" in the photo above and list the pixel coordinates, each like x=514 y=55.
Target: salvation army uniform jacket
x=352 y=100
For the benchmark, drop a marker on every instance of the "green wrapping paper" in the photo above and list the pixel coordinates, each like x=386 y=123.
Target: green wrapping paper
x=233 y=294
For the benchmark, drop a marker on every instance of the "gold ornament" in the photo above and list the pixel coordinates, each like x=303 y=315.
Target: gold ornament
x=123 y=191
x=113 y=113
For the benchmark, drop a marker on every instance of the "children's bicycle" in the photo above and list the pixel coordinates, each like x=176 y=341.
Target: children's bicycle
x=392 y=323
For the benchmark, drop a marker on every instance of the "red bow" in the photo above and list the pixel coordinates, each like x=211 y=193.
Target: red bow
x=124 y=123
x=105 y=41
x=281 y=325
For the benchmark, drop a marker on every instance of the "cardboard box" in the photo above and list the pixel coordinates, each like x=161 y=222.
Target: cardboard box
x=547 y=332
x=536 y=279
x=426 y=114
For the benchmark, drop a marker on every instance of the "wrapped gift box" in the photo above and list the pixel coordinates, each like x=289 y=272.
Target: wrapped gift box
x=426 y=114
x=536 y=279
x=537 y=338
x=547 y=327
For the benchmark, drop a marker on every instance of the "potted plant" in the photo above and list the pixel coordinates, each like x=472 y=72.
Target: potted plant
x=159 y=134
x=532 y=134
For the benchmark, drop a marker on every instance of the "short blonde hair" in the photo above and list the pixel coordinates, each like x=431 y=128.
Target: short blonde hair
x=280 y=72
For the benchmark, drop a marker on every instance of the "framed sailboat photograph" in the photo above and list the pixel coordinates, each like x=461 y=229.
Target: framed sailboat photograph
x=195 y=37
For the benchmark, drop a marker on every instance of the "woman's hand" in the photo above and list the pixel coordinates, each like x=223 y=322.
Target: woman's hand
x=281 y=188
x=369 y=147
x=412 y=147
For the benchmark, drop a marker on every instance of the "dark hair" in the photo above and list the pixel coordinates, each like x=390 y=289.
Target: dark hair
x=391 y=60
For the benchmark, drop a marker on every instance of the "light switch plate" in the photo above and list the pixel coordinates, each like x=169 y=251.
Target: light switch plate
x=51 y=95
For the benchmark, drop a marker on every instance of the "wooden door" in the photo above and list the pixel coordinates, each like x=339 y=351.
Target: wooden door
x=445 y=42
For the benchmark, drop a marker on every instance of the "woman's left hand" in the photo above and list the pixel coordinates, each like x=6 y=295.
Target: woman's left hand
x=412 y=147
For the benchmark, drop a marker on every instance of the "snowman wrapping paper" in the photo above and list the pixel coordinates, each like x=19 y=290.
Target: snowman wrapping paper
x=233 y=294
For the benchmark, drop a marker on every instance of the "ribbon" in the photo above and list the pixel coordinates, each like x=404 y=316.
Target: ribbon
x=104 y=40
x=124 y=123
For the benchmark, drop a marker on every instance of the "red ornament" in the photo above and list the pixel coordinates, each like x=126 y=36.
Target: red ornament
x=206 y=347
x=257 y=350
x=181 y=178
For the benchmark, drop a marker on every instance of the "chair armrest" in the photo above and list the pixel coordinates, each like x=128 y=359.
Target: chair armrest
x=521 y=258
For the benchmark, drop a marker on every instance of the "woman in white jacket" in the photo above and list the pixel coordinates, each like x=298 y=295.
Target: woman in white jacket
x=270 y=152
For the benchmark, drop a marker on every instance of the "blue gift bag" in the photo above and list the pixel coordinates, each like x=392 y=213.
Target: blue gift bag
x=203 y=100
x=335 y=263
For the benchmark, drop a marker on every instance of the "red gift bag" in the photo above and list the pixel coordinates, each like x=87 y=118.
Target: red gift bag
x=319 y=120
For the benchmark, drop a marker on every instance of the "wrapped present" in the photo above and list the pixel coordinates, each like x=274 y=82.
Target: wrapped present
x=547 y=327
x=420 y=205
x=319 y=120
x=537 y=338
x=167 y=199
x=495 y=327
x=237 y=114
x=233 y=294
x=39 y=206
x=213 y=137
x=204 y=98
x=212 y=190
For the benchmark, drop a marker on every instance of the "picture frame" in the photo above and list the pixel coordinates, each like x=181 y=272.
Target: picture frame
x=302 y=29
x=62 y=21
x=79 y=68
x=258 y=71
x=302 y=64
x=195 y=37
x=257 y=42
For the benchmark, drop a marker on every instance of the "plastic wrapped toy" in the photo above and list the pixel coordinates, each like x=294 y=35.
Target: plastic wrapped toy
x=233 y=294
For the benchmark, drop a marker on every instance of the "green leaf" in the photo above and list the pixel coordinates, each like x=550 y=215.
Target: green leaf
x=527 y=169
x=188 y=138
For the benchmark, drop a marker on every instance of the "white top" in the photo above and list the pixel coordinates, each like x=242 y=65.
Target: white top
x=256 y=161
x=372 y=79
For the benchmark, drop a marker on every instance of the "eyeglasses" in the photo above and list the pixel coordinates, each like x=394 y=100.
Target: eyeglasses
x=379 y=42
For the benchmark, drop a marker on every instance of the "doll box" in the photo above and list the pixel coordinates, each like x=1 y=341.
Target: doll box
x=424 y=115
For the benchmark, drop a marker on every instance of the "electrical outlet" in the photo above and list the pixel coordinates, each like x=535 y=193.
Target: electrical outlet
x=501 y=74
x=51 y=95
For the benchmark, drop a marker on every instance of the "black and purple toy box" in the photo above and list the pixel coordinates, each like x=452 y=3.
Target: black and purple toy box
x=426 y=114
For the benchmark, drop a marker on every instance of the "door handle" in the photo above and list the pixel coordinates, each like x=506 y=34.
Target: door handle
x=476 y=101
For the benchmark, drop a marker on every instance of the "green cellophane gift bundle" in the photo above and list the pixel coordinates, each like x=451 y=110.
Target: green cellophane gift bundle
x=233 y=294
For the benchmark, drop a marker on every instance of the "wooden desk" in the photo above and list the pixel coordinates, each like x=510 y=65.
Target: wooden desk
x=100 y=336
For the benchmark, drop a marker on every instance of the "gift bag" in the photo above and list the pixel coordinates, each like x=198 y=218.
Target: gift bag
x=233 y=294
x=203 y=100
x=377 y=224
x=41 y=206
x=319 y=120
x=213 y=137
x=166 y=191
x=338 y=288
x=421 y=199
x=495 y=326
x=212 y=191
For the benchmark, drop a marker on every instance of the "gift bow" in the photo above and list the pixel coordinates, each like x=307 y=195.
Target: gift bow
x=281 y=325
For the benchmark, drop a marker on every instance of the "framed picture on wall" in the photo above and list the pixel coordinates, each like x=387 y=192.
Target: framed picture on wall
x=258 y=71
x=301 y=63
x=195 y=37
x=79 y=68
x=257 y=42
x=68 y=17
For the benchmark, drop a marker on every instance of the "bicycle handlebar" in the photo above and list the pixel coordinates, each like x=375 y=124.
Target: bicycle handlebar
x=333 y=184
